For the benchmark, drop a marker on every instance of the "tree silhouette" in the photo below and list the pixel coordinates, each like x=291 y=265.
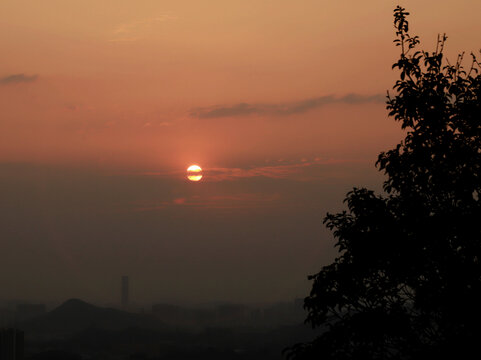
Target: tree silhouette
x=407 y=281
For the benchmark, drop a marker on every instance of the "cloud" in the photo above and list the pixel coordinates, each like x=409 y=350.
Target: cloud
x=298 y=170
x=302 y=170
x=273 y=172
x=234 y=110
x=283 y=109
x=313 y=171
x=17 y=78
x=137 y=30
x=219 y=202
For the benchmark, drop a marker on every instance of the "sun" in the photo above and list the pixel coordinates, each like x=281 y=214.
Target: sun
x=194 y=173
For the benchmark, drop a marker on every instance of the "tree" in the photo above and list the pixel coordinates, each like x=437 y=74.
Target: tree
x=407 y=281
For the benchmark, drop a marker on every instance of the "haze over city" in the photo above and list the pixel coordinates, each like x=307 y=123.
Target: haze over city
x=105 y=104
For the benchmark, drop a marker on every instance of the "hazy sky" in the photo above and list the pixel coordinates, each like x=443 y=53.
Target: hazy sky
x=104 y=104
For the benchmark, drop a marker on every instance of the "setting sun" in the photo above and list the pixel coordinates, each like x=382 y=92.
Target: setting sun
x=194 y=173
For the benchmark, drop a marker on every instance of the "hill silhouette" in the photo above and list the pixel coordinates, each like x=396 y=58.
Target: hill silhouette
x=76 y=315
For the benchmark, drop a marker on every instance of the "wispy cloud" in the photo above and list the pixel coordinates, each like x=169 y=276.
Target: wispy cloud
x=300 y=170
x=273 y=172
x=136 y=30
x=282 y=109
x=17 y=78
x=221 y=202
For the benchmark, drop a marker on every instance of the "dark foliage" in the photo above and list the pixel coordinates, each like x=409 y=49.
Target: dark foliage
x=407 y=281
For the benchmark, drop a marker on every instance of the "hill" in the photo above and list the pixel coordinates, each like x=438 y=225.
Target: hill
x=76 y=315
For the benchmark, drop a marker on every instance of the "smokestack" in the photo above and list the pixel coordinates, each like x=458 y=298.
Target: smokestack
x=124 y=292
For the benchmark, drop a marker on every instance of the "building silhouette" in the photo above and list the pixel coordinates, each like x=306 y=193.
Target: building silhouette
x=124 y=292
x=11 y=344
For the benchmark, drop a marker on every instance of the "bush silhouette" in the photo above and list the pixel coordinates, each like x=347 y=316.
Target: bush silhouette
x=407 y=281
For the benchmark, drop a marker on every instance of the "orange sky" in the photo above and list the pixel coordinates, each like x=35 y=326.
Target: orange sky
x=116 y=82
x=279 y=93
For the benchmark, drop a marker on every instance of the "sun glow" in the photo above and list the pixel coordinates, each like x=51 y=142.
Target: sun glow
x=194 y=173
